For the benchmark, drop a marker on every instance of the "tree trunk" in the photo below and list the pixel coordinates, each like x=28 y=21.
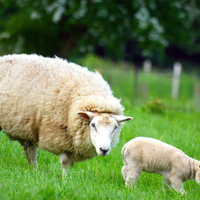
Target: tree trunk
x=136 y=85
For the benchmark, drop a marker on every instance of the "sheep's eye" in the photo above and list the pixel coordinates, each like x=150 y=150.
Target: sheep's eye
x=93 y=125
x=114 y=129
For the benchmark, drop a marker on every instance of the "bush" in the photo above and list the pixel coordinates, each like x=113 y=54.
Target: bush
x=156 y=106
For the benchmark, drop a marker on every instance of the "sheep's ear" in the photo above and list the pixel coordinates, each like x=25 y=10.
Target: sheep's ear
x=88 y=116
x=121 y=118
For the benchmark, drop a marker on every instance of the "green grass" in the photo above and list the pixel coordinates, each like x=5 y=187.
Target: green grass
x=100 y=177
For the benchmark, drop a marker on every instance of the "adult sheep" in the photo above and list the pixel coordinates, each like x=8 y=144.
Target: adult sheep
x=153 y=156
x=58 y=106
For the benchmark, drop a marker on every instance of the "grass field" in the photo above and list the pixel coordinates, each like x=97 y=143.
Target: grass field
x=100 y=177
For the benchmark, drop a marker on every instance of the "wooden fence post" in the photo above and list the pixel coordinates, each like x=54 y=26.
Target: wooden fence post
x=136 y=85
x=176 y=80
x=144 y=92
x=147 y=69
x=147 y=66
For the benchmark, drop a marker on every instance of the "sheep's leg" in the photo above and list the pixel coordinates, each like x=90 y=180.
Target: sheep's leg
x=31 y=155
x=177 y=184
x=166 y=182
x=66 y=162
x=181 y=190
x=131 y=175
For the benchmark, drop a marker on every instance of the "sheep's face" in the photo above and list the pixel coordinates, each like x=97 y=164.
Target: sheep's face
x=103 y=128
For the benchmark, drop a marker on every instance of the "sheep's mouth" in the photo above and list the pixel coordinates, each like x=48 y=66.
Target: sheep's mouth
x=103 y=152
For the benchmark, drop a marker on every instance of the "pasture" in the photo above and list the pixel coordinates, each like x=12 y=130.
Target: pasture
x=173 y=121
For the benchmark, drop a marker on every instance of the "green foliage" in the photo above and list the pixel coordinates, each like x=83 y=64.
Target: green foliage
x=100 y=177
x=156 y=106
x=69 y=28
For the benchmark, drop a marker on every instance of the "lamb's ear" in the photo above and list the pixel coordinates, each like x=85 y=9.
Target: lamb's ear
x=88 y=116
x=121 y=118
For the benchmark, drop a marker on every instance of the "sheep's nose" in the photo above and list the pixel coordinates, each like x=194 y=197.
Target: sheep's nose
x=104 y=151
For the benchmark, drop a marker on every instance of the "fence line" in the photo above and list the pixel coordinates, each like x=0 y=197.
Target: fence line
x=176 y=75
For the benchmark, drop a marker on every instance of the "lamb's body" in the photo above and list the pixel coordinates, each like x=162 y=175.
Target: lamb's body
x=153 y=156
x=39 y=101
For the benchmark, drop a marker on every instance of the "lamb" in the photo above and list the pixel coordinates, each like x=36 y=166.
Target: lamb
x=58 y=106
x=153 y=156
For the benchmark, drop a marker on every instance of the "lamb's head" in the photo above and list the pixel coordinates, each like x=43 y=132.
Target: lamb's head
x=104 y=128
x=197 y=175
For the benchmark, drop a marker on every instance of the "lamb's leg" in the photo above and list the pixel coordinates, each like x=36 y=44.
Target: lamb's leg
x=177 y=184
x=124 y=172
x=66 y=162
x=31 y=155
x=131 y=175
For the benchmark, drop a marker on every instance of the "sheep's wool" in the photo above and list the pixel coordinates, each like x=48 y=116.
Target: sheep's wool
x=151 y=155
x=39 y=98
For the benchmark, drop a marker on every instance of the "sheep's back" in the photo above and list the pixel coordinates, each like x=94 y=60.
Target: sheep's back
x=153 y=155
x=43 y=73
x=33 y=88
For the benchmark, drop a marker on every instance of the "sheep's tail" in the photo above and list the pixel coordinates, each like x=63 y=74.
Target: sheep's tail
x=197 y=177
x=194 y=168
x=123 y=149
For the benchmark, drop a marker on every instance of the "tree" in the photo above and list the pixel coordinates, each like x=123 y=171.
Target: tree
x=71 y=27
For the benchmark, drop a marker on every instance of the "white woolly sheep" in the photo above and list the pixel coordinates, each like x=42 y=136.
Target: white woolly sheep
x=153 y=156
x=58 y=106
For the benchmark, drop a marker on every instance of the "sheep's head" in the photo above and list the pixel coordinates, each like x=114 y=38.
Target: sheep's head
x=104 y=128
x=197 y=175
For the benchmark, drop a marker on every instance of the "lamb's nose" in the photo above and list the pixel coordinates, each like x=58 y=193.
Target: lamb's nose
x=104 y=151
